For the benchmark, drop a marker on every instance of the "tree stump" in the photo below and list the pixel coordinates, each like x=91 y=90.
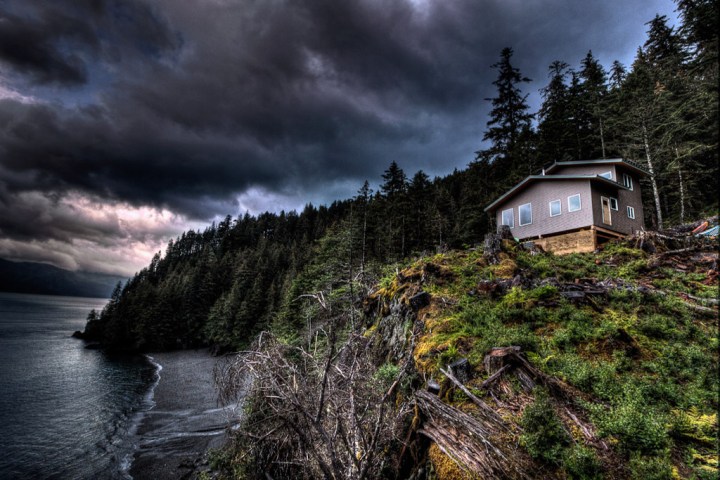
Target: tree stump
x=461 y=369
x=493 y=244
x=498 y=358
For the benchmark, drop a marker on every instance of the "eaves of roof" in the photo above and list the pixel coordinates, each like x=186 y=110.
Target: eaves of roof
x=549 y=178
x=637 y=168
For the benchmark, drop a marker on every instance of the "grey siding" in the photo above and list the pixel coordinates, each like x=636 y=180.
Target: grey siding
x=540 y=194
x=586 y=170
x=619 y=217
x=633 y=198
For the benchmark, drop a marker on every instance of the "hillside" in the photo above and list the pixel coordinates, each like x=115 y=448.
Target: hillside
x=42 y=279
x=495 y=362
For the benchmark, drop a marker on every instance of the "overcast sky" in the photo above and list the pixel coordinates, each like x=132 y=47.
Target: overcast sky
x=125 y=122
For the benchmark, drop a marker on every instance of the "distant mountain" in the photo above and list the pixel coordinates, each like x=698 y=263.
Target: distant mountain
x=39 y=278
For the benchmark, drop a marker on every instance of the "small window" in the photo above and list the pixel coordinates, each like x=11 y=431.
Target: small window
x=627 y=181
x=613 y=204
x=555 y=208
x=574 y=203
x=508 y=218
x=607 y=175
x=631 y=212
x=525 y=214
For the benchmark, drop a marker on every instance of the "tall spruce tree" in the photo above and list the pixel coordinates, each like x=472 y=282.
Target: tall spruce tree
x=509 y=129
x=593 y=91
x=555 y=116
x=638 y=111
x=394 y=189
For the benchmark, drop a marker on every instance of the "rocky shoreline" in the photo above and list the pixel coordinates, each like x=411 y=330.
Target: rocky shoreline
x=186 y=421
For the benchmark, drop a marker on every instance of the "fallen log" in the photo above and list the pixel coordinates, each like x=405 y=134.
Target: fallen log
x=476 y=446
x=697 y=308
x=529 y=376
x=711 y=301
x=494 y=377
x=487 y=413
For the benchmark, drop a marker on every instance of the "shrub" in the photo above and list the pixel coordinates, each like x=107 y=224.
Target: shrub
x=632 y=269
x=637 y=426
x=386 y=374
x=597 y=377
x=544 y=436
x=658 y=326
x=581 y=463
x=650 y=468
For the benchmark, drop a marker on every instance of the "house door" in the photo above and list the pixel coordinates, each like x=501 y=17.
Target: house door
x=606 y=216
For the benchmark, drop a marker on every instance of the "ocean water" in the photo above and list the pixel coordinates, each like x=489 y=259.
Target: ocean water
x=66 y=412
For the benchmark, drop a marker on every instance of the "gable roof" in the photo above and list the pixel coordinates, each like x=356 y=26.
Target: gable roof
x=637 y=168
x=550 y=178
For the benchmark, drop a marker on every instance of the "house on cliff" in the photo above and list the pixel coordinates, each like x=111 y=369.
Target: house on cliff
x=574 y=206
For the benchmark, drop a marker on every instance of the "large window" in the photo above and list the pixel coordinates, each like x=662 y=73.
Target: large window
x=508 y=218
x=607 y=175
x=627 y=181
x=525 y=214
x=555 y=208
x=631 y=212
x=574 y=203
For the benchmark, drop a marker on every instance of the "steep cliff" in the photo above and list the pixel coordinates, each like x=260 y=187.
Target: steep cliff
x=498 y=363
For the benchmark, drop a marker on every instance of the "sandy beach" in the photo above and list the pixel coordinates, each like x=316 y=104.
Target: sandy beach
x=186 y=420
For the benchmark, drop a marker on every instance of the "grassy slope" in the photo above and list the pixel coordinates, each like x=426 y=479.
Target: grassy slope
x=645 y=362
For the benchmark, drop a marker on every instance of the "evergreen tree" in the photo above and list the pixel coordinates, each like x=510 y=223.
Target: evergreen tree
x=509 y=129
x=618 y=73
x=637 y=114
x=364 y=195
x=395 y=184
x=592 y=96
x=419 y=205
x=394 y=189
x=555 y=117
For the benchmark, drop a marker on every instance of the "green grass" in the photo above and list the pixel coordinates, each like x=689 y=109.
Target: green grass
x=645 y=359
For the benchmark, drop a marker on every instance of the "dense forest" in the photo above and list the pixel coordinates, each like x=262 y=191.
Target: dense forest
x=223 y=285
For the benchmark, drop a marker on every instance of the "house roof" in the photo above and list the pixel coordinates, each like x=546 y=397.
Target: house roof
x=550 y=178
x=637 y=168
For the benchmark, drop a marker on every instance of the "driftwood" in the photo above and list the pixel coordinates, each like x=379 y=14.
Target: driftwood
x=474 y=444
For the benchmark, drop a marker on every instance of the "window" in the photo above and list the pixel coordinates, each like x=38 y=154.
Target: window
x=525 y=214
x=555 y=208
x=613 y=204
x=574 y=203
x=508 y=218
x=627 y=181
x=631 y=212
x=607 y=175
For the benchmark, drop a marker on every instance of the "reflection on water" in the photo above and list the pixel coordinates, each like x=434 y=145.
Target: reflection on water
x=65 y=411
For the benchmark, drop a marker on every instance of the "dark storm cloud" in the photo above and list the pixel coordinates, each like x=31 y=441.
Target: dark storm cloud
x=55 y=42
x=185 y=105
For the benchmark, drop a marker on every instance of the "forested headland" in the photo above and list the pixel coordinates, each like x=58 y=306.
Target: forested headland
x=388 y=337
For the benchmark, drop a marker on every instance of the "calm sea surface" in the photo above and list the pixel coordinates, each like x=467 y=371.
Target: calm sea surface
x=65 y=412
